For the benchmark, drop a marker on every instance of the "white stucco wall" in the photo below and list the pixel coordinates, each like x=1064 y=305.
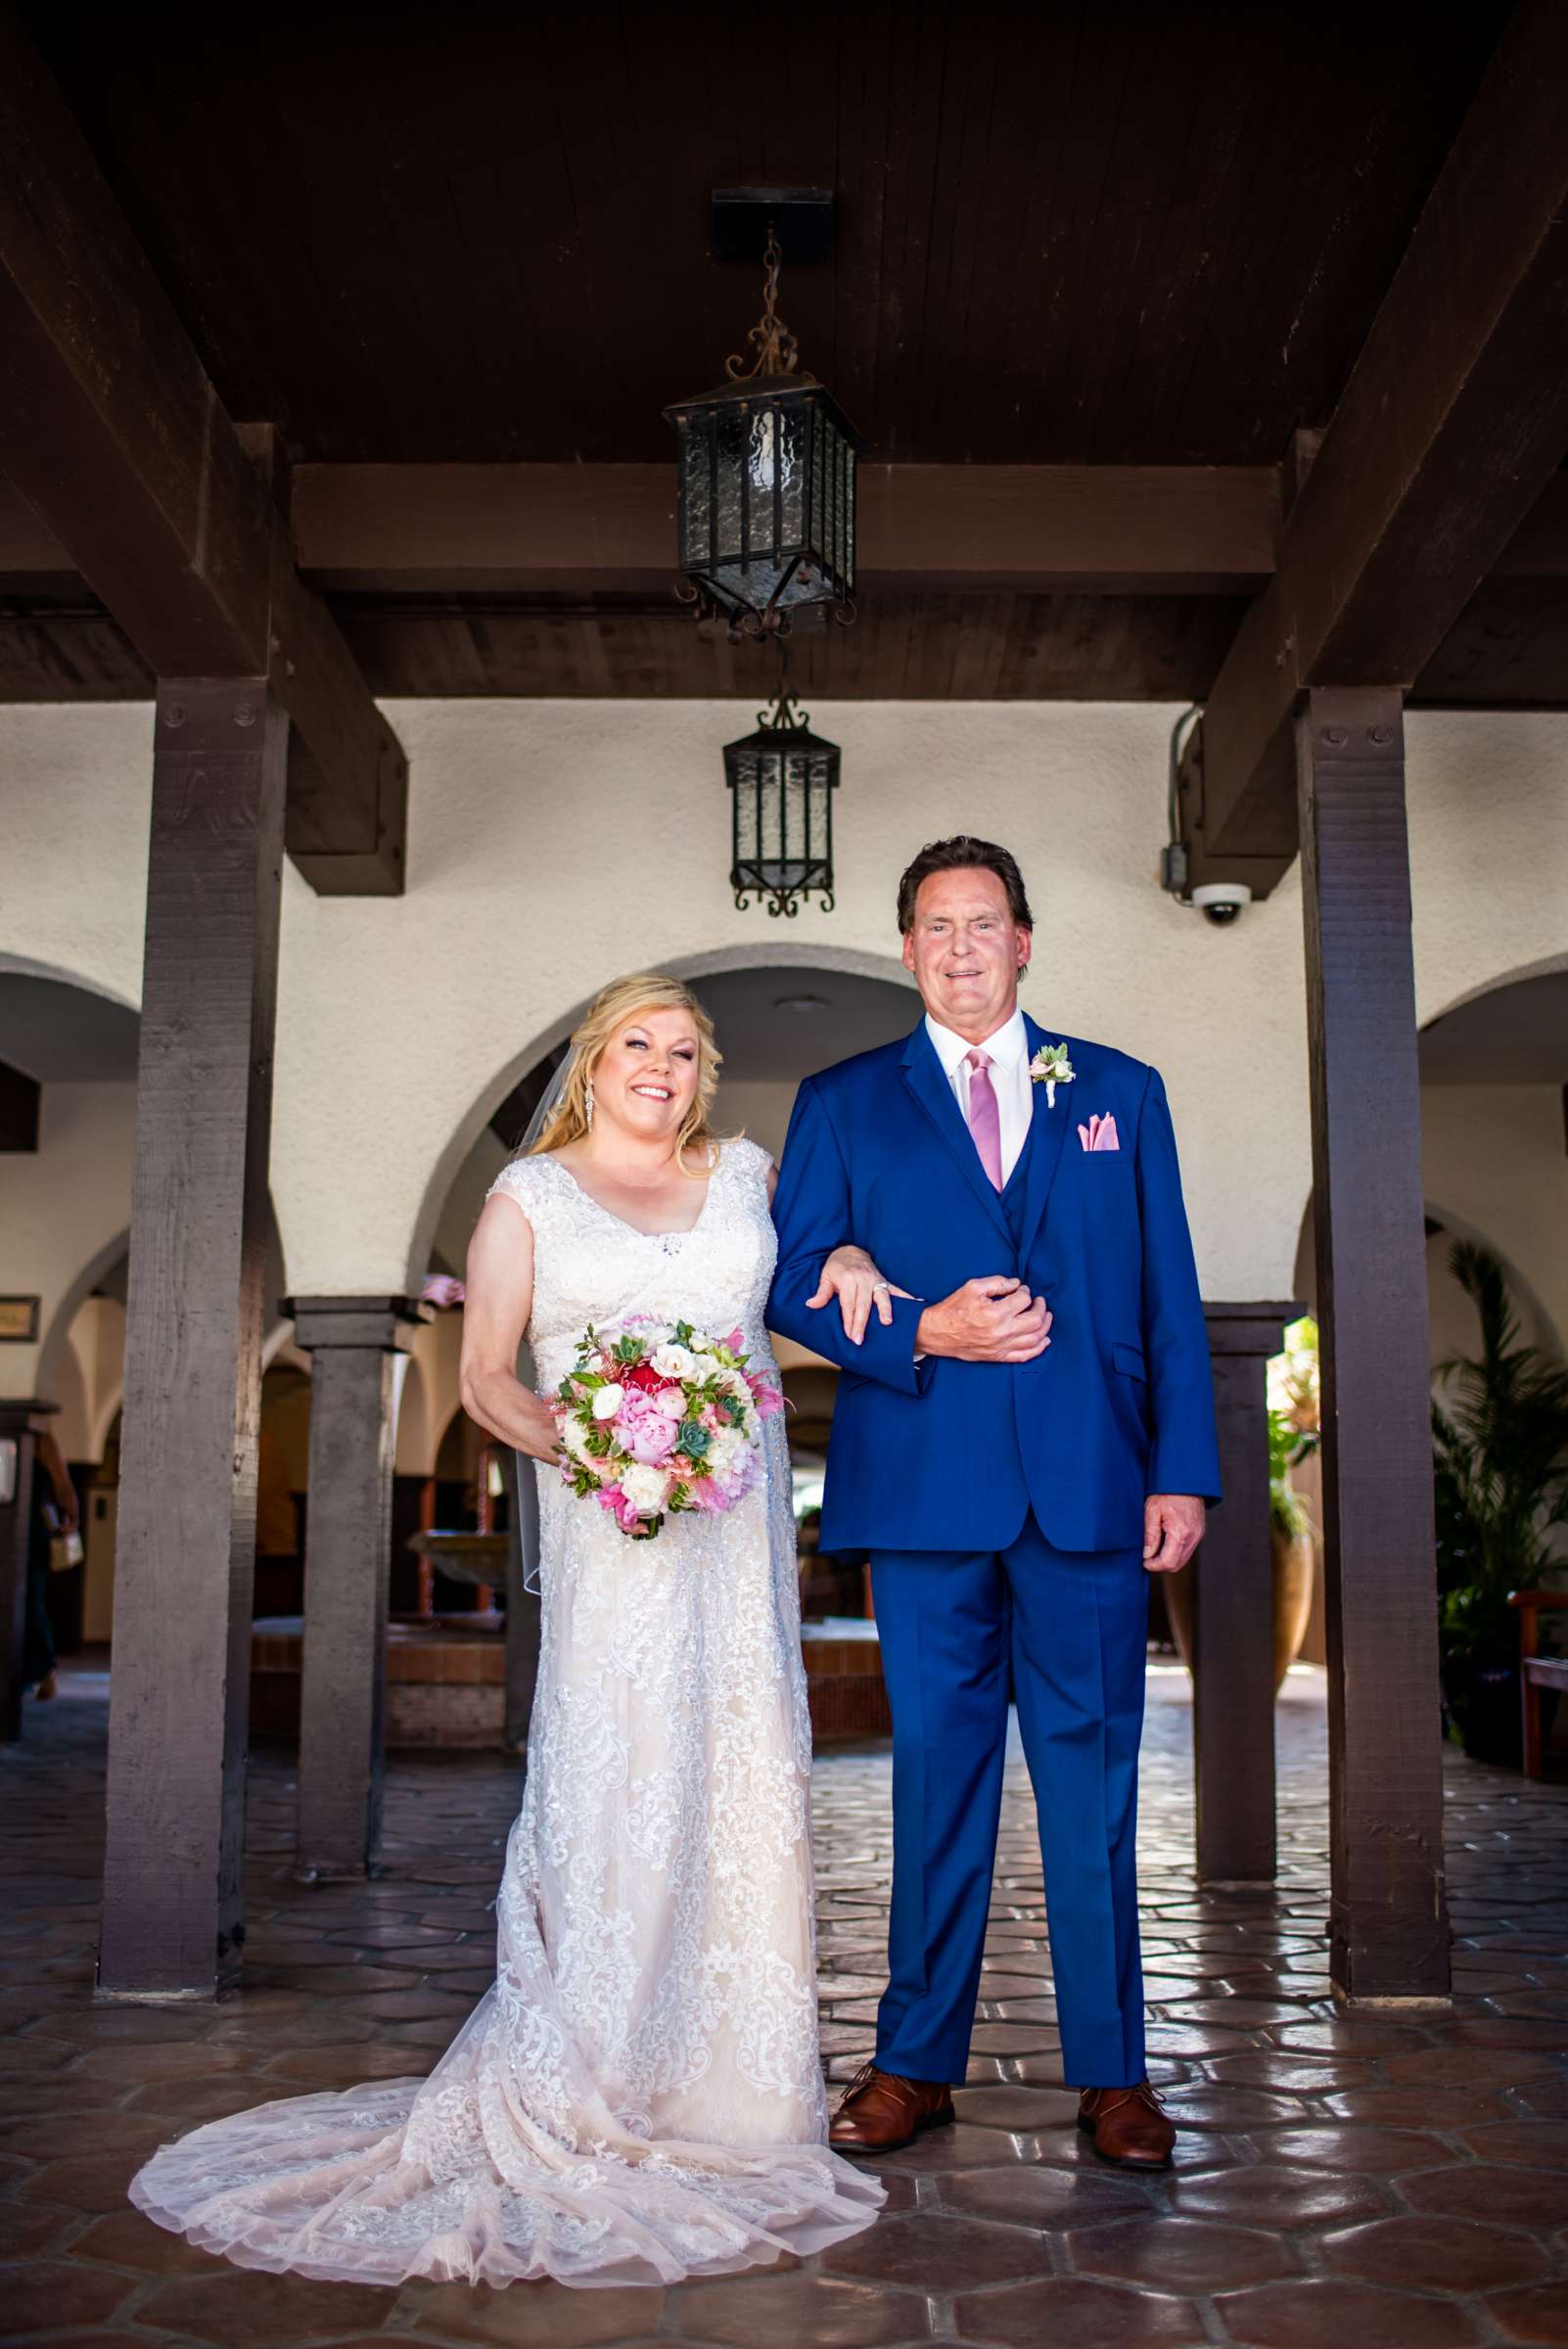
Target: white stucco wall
x=61 y=1206
x=553 y=844
x=1494 y=1163
x=430 y=1393
x=75 y=789
x=1487 y=801
x=93 y=1363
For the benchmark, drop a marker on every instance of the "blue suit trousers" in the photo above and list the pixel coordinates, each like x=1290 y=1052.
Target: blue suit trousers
x=1073 y=1624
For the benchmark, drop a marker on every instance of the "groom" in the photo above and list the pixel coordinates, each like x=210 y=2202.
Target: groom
x=1015 y=1444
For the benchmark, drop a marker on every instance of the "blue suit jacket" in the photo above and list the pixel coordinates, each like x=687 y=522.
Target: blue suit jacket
x=945 y=1454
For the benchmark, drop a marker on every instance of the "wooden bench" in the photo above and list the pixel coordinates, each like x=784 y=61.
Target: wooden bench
x=1537 y=1672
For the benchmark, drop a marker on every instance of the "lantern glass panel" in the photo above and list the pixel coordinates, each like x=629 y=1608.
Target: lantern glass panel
x=769 y=820
x=696 y=502
x=847 y=518
x=823 y=489
x=767 y=497
x=777 y=477
x=729 y=429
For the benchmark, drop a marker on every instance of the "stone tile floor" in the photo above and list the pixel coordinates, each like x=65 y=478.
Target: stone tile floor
x=1340 y=2182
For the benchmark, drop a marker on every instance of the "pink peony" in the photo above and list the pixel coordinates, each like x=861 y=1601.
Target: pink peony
x=643 y=1429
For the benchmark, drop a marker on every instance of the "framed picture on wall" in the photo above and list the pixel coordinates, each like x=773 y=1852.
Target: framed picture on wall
x=19 y=1320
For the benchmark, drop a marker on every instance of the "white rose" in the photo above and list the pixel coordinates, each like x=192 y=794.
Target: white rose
x=721 y=1451
x=574 y=1435
x=674 y=1361
x=705 y=1367
x=647 y=1489
x=607 y=1401
x=701 y=1342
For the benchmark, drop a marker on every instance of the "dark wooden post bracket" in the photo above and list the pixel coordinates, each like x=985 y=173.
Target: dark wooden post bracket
x=1453 y=422
x=115 y=436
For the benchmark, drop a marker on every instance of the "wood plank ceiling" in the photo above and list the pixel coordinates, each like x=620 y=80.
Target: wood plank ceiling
x=1100 y=234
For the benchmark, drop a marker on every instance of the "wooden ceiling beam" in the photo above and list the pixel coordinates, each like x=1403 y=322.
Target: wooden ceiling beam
x=1198 y=529
x=112 y=431
x=579 y=529
x=1452 y=423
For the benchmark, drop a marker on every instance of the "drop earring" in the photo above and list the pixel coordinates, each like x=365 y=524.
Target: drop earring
x=587 y=1104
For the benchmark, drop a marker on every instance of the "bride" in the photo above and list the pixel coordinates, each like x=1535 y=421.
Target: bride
x=639 y=2097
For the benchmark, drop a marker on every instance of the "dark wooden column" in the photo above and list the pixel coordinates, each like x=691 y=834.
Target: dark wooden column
x=353 y=1343
x=184 y=1558
x=1233 y=1610
x=21 y=1423
x=1389 y=1922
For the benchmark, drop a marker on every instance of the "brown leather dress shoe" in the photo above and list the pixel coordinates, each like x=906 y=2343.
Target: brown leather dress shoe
x=1127 y=2124
x=879 y=2112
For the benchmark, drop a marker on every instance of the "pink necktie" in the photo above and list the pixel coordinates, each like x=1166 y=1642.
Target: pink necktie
x=985 y=1118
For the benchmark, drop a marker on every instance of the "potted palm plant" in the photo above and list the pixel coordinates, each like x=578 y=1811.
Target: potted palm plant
x=1500 y=1429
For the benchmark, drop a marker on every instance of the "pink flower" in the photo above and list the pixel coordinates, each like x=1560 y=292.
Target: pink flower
x=671 y=1401
x=643 y=1429
x=766 y=1396
x=735 y=1343
x=706 y=1494
x=610 y=1498
x=713 y=1418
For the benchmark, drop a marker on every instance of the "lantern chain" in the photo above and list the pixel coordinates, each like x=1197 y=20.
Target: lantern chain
x=777 y=350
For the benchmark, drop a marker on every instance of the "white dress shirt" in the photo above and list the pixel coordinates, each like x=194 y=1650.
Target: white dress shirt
x=1008 y=1052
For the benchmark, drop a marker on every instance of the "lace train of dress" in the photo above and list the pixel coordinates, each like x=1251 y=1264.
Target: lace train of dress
x=639 y=2097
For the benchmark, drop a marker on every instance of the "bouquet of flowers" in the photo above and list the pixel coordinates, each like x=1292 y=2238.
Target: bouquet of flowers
x=658 y=1417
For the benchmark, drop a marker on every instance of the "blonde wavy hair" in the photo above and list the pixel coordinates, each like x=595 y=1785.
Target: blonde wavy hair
x=614 y=1007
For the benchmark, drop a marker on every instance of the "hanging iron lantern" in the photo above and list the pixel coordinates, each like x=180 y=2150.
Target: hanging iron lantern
x=781 y=780
x=767 y=487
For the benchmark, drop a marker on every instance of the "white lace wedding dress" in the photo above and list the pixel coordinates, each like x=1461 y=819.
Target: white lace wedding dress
x=639 y=2097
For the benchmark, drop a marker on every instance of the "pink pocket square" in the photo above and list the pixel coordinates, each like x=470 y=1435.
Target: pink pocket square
x=1100 y=1134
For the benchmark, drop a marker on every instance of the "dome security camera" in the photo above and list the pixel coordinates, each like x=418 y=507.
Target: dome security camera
x=1222 y=901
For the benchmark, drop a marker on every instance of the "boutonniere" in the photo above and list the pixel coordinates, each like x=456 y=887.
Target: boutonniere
x=1050 y=1067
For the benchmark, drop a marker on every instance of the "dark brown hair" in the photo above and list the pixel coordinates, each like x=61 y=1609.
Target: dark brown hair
x=963 y=854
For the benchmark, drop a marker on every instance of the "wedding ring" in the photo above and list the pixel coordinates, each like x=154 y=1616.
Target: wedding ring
x=879 y=1288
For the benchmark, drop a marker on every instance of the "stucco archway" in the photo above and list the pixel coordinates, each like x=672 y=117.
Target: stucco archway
x=770 y=952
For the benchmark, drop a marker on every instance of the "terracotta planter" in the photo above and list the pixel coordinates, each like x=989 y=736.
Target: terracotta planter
x=1292 y=1579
